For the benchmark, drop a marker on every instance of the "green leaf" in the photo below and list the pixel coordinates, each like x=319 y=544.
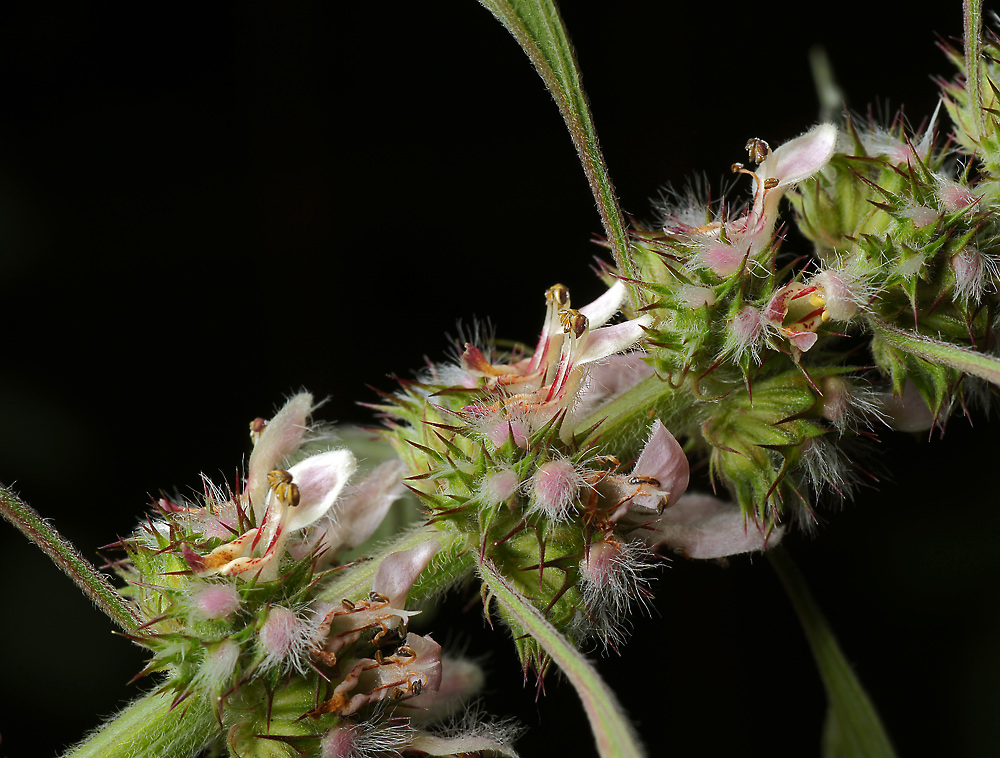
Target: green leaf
x=539 y=30
x=853 y=726
x=612 y=730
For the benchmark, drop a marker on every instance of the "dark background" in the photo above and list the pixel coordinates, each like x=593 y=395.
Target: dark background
x=203 y=210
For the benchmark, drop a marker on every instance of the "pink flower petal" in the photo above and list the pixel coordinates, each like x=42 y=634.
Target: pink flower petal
x=663 y=460
x=702 y=526
x=281 y=437
x=609 y=340
x=600 y=311
x=396 y=574
x=800 y=158
x=358 y=514
x=320 y=478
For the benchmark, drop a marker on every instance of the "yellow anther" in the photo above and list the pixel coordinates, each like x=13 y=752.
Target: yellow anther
x=816 y=300
x=558 y=294
x=284 y=489
x=757 y=149
x=573 y=321
x=826 y=316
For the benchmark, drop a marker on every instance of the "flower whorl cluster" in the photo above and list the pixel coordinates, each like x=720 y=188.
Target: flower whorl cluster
x=761 y=341
x=230 y=589
x=506 y=450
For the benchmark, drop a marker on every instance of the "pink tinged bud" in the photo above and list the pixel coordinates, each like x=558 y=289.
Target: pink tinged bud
x=696 y=297
x=954 y=196
x=837 y=404
x=281 y=638
x=702 y=526
x=499 y=487
x=602 y=564
x=746 y=330
x=920 y=215
x=217 y=669
x=724 y=260
x=341 y=742
x=216 y=601
x=975 y=274
x=555 y=486
x=282 y=436
x=501 y=430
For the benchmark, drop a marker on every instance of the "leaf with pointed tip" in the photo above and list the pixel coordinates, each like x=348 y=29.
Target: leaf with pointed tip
x=539 y=30
x=853 y=726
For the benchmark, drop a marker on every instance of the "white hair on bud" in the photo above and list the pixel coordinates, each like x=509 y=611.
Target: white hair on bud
x=284 y=639
x=469 y=733
x=371 y=738
x=612 y=583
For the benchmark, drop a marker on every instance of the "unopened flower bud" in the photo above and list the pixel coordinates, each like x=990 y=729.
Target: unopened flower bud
x=554 y=488
x=216 y=670
x=499 y=487
x=282 y=638
x=215 y=601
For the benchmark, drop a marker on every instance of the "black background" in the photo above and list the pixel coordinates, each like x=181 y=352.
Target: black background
x=205 y=209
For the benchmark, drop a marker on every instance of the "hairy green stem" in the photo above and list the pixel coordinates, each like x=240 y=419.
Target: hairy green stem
x=65 y=555
x=612 y=730
x=854 y=716
x=150 y=728
x=539 y=30
x=973 y=16
x=942 y=353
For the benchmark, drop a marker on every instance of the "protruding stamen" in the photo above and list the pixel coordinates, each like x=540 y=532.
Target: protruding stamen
x=257 y=428
x=573 y=321
x=758 y=149
x=284 y=489
x=558 y=295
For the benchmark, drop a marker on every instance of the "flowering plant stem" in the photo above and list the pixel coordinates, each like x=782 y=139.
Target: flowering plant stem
x=611 y=727
x=943 y=353
x=83 y=573
x=853 y=716
x=539 y=30
x=152 y=728
x=973 y=17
